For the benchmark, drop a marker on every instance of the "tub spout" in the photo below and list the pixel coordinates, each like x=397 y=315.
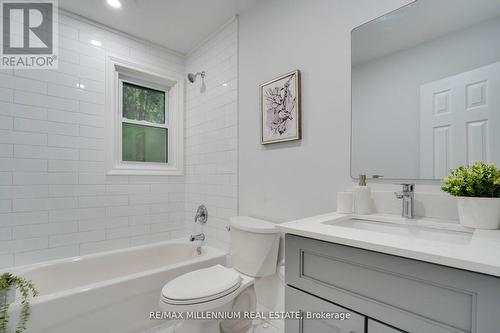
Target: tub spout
x=200 y=237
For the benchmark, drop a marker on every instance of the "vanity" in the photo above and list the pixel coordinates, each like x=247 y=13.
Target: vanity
x=425 y=82
x=392 y=275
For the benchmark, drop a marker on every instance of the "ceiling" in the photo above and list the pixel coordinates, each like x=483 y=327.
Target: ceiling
x=179 y=25
x=421 y=21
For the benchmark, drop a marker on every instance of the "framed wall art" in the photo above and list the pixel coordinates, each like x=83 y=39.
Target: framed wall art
x=280 y=109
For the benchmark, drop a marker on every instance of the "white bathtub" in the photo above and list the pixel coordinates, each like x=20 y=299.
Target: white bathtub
x=108 y=292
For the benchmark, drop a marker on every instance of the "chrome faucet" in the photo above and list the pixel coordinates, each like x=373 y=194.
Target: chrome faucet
x=408 y=197
x=201 y=217
x=201 y=214
x=200 y=237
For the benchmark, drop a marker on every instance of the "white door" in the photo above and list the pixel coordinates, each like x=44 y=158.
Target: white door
x=460 y=121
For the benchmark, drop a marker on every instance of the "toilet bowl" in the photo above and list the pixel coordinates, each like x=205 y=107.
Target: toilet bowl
x=220 y=291
x=214 y=289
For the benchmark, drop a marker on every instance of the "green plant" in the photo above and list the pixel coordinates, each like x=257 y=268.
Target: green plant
x=479 y=180
x=25 y=287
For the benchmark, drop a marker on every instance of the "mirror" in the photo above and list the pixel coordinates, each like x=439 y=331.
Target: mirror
x=426 y=90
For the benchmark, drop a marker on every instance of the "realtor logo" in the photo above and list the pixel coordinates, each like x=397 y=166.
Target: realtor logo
x=29 y=34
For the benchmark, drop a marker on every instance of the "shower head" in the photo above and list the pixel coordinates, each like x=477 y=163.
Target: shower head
x=192 y=77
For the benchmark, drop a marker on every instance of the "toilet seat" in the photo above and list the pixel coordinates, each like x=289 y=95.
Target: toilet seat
x=201 y=286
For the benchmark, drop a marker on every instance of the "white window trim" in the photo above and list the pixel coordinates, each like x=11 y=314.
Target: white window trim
x=119 y=69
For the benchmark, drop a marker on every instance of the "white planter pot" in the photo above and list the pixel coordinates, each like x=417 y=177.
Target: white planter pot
x=479 y=213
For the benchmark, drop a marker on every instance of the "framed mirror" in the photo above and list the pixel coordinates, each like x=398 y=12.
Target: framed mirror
x=426 y=90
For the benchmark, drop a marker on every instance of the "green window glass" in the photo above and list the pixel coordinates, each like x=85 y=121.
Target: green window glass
x=143 y=104
x=144 y=143
x=144 y=130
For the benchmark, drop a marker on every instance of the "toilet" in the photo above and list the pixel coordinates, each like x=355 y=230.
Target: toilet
x=254 y=253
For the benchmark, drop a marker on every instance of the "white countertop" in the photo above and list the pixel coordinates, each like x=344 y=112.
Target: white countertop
x=449 y=245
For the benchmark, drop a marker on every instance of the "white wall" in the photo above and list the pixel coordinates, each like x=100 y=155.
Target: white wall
x=55 y=200
x=297 y=179
x=211 y=134
x=290 y=180
x=389 y=88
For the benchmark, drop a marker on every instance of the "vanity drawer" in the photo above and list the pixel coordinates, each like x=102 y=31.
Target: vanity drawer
x=376 y=327
x=413 y=295
x=298 y=301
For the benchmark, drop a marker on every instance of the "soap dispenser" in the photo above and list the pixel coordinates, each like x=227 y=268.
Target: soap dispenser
x=362 y=197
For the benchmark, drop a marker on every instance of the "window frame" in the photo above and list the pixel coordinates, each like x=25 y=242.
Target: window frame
x=119 y=71
x=122 y=120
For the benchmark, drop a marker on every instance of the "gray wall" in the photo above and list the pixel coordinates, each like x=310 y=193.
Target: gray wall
x=291 y=180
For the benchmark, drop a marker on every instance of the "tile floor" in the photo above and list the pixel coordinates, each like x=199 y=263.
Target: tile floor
x=259 y=327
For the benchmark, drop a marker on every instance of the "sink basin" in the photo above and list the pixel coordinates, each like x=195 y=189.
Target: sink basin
x=438 y=241
x=400 y=229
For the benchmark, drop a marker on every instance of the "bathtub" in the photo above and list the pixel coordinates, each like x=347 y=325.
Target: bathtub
x=108 y=292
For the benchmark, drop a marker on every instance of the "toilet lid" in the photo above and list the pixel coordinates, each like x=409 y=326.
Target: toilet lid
x=203 y=284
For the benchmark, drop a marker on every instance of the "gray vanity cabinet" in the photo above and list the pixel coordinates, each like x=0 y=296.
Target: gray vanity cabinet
x=298 y=301
x=376 y=327
x=405 y=294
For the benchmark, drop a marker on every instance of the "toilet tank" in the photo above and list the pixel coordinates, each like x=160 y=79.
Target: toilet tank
x=254 y=246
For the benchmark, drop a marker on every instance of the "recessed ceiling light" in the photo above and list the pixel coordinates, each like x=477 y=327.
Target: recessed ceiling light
x=224 y=84
x=95 y=42
x=81 y=86
x=114 y=3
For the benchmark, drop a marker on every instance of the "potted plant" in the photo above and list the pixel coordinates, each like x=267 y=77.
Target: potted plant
x=477 y=189
x=8 y=285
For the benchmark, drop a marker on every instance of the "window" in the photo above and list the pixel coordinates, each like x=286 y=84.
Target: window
x=145 y=121
x=144 y=126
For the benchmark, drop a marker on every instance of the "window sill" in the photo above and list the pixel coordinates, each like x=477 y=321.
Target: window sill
x=149 y=171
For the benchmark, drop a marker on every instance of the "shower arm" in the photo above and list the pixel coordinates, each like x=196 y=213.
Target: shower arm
x=192 y=77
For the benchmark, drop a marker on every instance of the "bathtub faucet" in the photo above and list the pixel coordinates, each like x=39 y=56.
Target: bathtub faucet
x=201 y=215
x=200 y=237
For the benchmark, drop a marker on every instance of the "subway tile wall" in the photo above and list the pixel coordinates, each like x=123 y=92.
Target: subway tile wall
x=55 y=199
x=211 y=134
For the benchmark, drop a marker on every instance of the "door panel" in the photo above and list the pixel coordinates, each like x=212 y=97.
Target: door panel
x=460 y=121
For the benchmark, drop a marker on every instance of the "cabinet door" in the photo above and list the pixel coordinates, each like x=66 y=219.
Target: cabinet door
x=376 y=327
x=414 y=296
x=307 y=304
